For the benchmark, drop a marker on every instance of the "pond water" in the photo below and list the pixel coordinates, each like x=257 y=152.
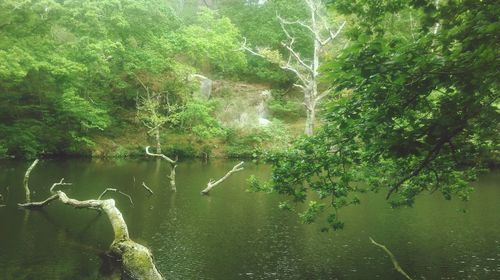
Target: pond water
x=233 y=234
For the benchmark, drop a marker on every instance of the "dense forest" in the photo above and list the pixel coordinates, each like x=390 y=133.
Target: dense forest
x=340 y=97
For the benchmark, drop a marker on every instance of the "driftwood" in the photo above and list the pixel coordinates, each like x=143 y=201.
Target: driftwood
x=173 y=166
x=211 y=184
x=393 y=259
x=26 y=180
x=135 y=259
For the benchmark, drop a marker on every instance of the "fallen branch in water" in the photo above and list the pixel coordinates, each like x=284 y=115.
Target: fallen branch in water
x=211 y=184
x=147 y=188
x=136 y=260
x=173 y=165
x=116 y=191
x=393 y=259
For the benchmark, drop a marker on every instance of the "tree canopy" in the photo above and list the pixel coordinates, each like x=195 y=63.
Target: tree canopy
x=416 y=108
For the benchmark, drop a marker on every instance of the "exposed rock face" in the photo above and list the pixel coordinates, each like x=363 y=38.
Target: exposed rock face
x=205 y=89
x=244 y=105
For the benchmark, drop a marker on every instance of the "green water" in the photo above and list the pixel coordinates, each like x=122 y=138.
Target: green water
x=232 y=234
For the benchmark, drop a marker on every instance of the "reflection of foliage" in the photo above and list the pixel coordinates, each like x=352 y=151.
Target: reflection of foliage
x=258 y=142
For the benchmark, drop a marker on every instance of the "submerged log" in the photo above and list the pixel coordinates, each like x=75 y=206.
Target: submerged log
x=211 y=184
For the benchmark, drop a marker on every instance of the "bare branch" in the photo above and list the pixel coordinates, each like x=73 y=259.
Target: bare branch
x=323 y=94
x=60 y=183
x=289 y=46
x=211 y=184
x=333 y=35
x=393 y=259
x=117 y=191
x=160 y=155
x=26 y=180
x=147 y=188
x=299 y=86
x=32 y=205
x=244 y=47
x=298 y=22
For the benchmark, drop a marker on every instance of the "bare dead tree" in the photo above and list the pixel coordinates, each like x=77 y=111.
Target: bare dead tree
x=149 y=112
x=211 y=184
x=393 y=259
x=306 y=71
x=135 y=259
x=173 y=166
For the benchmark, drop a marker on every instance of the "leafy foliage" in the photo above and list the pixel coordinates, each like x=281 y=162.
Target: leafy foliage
x=417 y=102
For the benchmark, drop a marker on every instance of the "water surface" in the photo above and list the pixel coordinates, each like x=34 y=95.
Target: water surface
x=232 y=234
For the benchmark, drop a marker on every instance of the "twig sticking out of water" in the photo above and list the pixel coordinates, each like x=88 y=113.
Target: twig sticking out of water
x=393 y=259
x=211 y=184
x=147 y=188
x=26 y=180
x=117 y=191
x=60 y=183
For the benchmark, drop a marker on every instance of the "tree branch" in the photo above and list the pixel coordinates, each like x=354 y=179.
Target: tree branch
x=393 y=259
x=289 y=46
x=26 y=180
x=147 y=188
x=117 y=191
x=332 y=35
x=211 y=184
x=323 y=94
x=160 y=155
x=60 y=183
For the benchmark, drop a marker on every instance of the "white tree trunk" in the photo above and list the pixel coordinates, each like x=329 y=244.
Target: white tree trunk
x=310 y=119
x=306 y=70
x=157 y=138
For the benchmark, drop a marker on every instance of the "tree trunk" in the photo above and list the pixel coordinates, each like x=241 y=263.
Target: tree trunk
x=311 y=115
x=310 y=104
x=157 y=137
